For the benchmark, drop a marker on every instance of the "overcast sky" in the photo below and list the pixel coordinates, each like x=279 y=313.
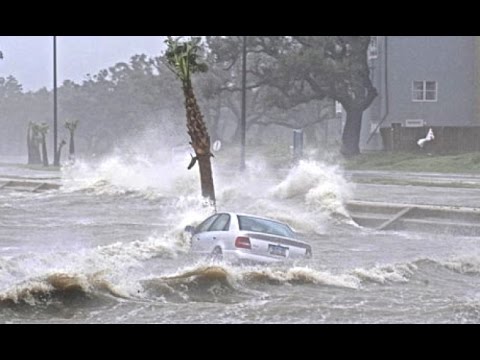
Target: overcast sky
x=30 y=58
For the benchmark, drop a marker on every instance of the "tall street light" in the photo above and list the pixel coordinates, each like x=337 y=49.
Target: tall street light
x=56 y=160
x=243 y=124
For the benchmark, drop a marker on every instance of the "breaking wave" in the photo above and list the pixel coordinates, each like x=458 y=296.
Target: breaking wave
x=59 y=287
x=322 y=187
x=130 y=174
x=307 y=196
x=402 y=272
x=386 y=273
x=200 y=282
x=463 y=264
x=222 y=279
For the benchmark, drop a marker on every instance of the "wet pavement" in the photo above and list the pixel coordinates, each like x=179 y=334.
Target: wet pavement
x=416 y=188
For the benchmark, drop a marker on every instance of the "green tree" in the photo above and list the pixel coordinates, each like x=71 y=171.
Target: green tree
x=9 y=87
x=315 y=67
x=183 y=60
x=12 y=122
x=122 y=100
x=263 y=105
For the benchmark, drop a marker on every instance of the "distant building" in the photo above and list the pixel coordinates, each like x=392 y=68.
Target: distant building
x=422 y=81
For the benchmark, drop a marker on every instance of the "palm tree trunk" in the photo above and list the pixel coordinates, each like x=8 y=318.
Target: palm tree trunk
x=200 y=141
x=29 y=146
x=37 y=159
x=44 y=151
x=59 y=151
x=34 y=157
x=72 y=147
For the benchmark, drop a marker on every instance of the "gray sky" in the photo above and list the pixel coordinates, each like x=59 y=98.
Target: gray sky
x=30 y=58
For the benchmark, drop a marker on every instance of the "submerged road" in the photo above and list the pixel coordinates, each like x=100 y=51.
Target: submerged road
x=108 y=247
x=416 y=188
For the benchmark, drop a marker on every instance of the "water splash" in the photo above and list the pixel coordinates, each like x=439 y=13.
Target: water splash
x=322 y=186
x=58 y=285
x=119 y=174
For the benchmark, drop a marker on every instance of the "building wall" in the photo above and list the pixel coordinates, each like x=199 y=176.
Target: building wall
x=449 y=60
x=477 y=80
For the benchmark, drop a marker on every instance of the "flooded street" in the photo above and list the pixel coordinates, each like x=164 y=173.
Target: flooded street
x=109 y=247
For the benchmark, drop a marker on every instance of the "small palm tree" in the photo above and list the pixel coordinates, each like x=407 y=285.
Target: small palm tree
x=71 y=127
x=34 y=139
x=59 y=150
x=183 y=59
x=42 y=130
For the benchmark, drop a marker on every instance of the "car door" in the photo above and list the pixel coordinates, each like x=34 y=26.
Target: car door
x=202 y=239
x=218 y=232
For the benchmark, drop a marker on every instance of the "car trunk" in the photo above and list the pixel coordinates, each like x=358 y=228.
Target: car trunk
x=277 y=246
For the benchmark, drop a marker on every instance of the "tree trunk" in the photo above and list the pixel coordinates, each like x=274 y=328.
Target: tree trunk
x=351 y=132
x=37 y=159
x=236 y=134
x=59 y=151
x=44 y=151
x=34 y=157
x=29 y=146
x=206 y=177
x=311 y=136
x=71 y=155
x=200 y=142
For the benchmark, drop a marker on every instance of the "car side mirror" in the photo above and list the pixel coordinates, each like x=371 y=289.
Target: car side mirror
x=190 y=229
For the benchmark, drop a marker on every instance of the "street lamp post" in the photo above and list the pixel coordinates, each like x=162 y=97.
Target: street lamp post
x=56 y=160
x=243 y=124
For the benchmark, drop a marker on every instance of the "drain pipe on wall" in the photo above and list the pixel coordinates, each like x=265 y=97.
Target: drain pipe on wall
x=386 y=91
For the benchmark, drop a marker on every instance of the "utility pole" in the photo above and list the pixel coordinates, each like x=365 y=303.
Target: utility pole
x=243 y=124
x=56 y=161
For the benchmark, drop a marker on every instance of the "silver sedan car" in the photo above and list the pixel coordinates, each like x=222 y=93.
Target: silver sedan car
x=246 y=238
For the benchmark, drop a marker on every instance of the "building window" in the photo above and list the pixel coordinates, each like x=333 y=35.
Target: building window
x=424 y=91
x=373 y=48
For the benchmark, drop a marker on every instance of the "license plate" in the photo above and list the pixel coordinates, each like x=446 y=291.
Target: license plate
x=277 y=250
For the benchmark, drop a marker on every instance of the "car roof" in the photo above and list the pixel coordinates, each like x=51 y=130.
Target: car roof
x=254 y=216
x=263 y=218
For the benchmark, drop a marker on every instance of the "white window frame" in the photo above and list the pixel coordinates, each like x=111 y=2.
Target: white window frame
x=373 y=48
x=424 y=91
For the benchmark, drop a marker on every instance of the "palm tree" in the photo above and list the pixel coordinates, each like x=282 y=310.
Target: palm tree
x=33 y=141
x=59 y=151
x=71 y=126
x=42 y=130
x=182 y=59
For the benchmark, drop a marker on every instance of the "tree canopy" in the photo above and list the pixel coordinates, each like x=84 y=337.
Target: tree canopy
x=301 y=69
x=291 y=83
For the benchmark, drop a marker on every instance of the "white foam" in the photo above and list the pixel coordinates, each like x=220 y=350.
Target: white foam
x=463 y=264
x=151 y=176
x=307 y=275
x=323 y=187
x=386 y=273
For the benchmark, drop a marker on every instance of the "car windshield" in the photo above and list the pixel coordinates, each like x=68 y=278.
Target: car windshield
x=249 y=223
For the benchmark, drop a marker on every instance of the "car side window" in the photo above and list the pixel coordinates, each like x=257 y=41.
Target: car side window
x=221 y=224
x=206 y=224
